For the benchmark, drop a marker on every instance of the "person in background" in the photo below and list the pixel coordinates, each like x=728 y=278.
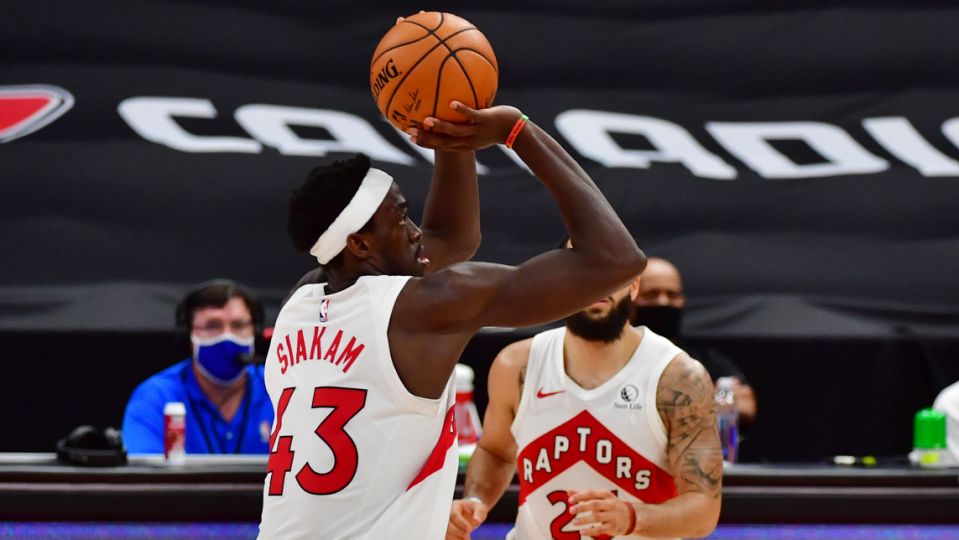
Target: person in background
x=227 y=408
x=609 y=425
x=660 y=305
x=948 y=402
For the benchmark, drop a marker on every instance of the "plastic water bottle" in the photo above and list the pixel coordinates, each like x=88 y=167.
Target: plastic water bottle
x=727 y=417
x=929 y=439
x=467 y=418
x=174 y=433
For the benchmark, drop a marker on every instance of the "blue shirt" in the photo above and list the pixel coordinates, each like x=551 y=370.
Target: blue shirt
x=206 y=430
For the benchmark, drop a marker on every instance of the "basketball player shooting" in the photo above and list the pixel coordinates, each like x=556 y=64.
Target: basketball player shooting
x=613 y=429
x=360 y=368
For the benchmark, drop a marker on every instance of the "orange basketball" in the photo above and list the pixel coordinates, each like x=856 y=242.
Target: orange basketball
x=428 y=60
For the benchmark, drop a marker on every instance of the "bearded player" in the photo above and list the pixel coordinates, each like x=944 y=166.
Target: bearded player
x=612 y=429
x=360 y=367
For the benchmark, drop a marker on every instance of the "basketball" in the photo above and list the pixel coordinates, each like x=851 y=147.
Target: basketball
x=427 y=60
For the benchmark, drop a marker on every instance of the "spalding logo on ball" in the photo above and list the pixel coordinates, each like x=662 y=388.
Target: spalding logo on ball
x=428 y=60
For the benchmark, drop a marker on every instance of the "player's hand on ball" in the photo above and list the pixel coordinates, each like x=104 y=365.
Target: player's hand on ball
x=465 y=515
x=484 y=128
x=600 y=512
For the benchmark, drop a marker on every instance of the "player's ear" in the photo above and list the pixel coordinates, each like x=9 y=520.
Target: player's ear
x=359 y=245
x=634 y=289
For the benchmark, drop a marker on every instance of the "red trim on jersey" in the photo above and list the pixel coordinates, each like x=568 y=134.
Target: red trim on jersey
x=437 y=458
x=660 y=486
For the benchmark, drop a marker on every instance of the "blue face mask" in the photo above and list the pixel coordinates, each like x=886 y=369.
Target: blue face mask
x=223 y=358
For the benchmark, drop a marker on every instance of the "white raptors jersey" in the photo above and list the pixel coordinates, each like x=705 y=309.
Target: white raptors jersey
x=353 y=455
x=610 y=437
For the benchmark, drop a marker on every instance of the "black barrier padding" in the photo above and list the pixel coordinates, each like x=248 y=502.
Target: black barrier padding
x=816 y=397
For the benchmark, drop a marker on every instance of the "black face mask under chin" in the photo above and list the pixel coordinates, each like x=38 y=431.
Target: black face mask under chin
x=664 y=320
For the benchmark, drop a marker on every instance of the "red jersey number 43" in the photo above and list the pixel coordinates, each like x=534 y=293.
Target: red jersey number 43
x=346 y=403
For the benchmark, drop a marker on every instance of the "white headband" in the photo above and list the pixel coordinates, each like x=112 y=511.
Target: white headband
x=367 y=199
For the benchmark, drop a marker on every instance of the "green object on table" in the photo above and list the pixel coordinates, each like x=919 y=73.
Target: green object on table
x=929 y=429
x=466 y=452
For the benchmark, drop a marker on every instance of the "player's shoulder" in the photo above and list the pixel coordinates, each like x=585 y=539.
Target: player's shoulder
x=449 y=300
x=454 y=277
x=515 y=356
x=508 y=371
x=511 y=362
x=313 y=277
x=685 y=372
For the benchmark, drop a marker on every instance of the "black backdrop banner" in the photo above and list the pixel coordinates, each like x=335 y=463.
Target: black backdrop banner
x=800 y=165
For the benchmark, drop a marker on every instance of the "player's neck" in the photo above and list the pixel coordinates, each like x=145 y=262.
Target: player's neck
x=226 y=397
x=344 y=278
x=591 y=363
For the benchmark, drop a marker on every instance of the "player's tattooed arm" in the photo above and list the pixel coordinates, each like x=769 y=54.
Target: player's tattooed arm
x=686 y=402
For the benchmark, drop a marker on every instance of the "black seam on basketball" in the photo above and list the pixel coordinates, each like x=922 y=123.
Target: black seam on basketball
x=429 y=32
x=469 y=81
x=424 y=27
x=413 y=67
x=432 y=32
x=397 y=47
x=436 y=91
x=452 y=54
x=409 y=70
x=481 y=55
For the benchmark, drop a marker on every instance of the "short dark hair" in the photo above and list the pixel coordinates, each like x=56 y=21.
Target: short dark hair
x=321 y=197
x=216 y=293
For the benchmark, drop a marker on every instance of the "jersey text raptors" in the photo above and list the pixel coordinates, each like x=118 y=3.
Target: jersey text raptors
x=609 y=437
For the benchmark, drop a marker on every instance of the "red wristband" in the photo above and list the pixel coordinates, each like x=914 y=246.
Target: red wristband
x=632 y=519
x=517 y=127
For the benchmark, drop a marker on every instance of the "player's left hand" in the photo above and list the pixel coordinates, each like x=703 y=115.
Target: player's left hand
x=601 y=511
x=483 y=128
x=465 y=515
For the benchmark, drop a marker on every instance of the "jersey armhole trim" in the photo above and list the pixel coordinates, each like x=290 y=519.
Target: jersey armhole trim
x=425 y=406
x=525 y=393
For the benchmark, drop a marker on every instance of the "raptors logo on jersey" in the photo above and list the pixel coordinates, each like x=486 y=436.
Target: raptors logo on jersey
x=609 y=437
x=353 y=455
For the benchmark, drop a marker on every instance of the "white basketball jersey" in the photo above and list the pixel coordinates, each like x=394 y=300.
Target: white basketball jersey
x=354 y=455
x=610 y=437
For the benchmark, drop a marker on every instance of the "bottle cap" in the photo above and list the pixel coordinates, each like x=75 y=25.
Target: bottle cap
x=174 y=408
x=724 y=383
x=929 y=429
x=464 y=378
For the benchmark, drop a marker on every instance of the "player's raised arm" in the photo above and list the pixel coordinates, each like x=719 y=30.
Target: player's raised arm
x=465 y=297
x=451 y=227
